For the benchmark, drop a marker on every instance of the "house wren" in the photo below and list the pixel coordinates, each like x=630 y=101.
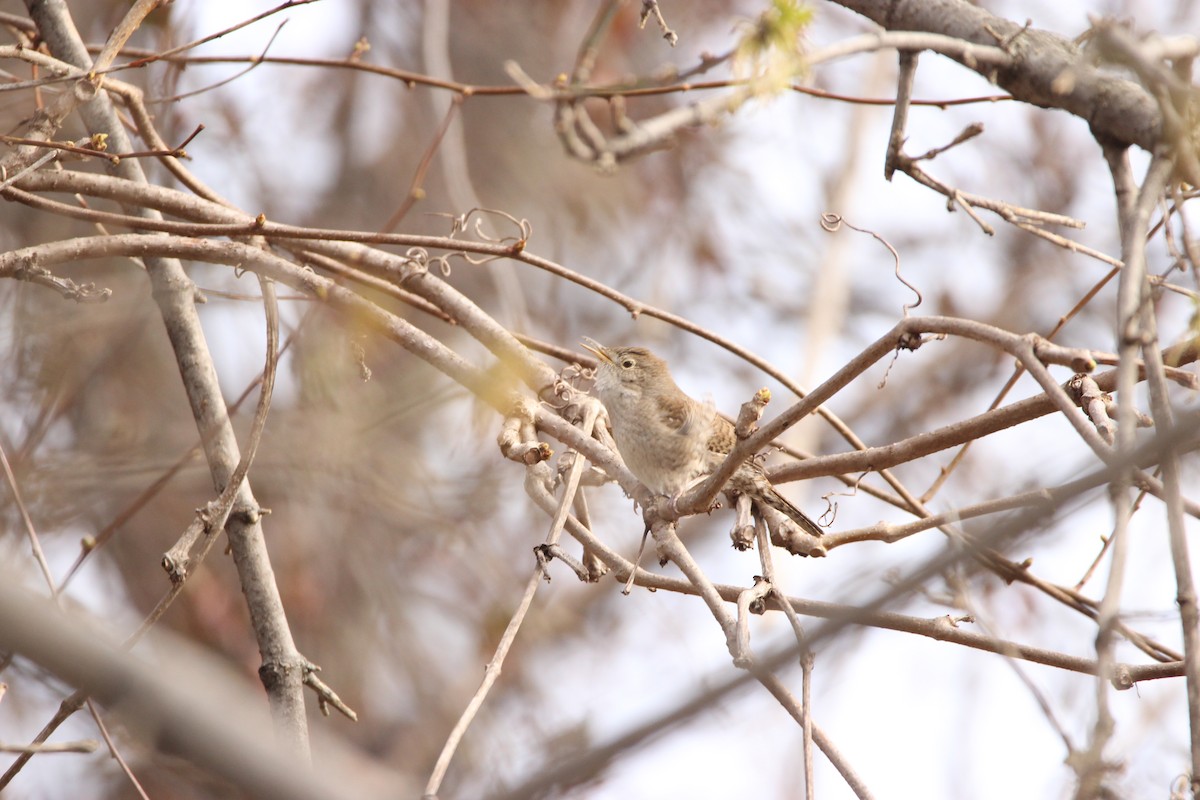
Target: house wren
x=669 y=440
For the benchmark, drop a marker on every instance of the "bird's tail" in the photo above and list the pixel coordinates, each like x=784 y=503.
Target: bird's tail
x=778 y=502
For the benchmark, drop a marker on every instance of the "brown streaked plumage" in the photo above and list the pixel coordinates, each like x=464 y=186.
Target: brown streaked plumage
x=669 y=440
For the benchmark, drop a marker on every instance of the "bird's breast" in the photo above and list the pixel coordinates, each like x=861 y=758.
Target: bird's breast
x=667 y=460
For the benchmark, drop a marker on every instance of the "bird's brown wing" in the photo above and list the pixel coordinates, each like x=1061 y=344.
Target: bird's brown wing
x=675 y=413
x=722 y=439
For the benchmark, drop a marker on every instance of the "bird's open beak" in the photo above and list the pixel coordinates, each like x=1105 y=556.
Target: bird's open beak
x=597 y=349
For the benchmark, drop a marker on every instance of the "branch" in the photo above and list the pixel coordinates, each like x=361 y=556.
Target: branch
x=535 y=472
x=1047 y=70
x=209 y=728
x=174 y=294
x=1033 y=350
x=955 y=434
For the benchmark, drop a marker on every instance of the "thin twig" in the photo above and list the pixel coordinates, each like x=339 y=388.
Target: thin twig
x=536 y=472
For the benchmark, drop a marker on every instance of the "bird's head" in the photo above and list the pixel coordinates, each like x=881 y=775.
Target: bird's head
x=627 y=369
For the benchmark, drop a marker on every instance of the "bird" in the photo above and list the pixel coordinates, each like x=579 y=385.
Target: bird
x=671 y=441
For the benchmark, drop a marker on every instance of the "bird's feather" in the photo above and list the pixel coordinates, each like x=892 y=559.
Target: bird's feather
x=675 y=412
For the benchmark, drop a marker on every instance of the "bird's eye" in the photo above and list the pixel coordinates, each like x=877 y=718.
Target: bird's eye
x=627 y=363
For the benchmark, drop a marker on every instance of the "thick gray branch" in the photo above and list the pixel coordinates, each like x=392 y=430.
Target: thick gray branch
x=282 y=668
x=1047 y=70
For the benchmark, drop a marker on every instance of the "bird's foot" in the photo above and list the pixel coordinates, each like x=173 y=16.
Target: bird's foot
x=672 y=505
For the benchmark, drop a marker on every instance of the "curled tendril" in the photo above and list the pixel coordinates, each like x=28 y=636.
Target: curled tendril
x=472 y=220
x=575 y=372
x=565 y=392
x=833 y=223
x=419 y=260
x=557 y=395
x=475 y=262
x=418 y=257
